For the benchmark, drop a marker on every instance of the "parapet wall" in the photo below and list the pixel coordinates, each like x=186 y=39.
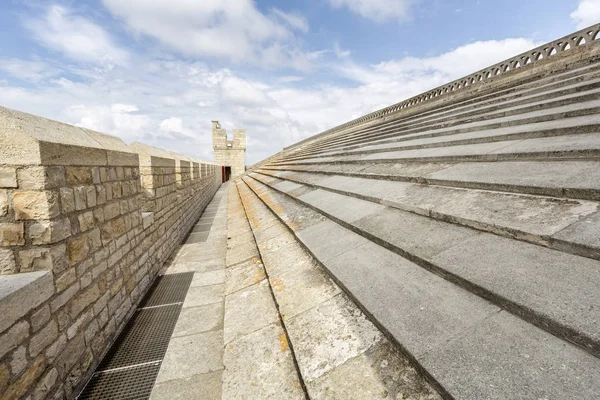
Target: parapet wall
x=86 y=224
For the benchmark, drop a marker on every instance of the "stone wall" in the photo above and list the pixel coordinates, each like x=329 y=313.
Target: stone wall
x=86 y=224
x=230 y=152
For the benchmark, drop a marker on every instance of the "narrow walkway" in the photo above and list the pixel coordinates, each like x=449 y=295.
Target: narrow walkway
x=193 y=364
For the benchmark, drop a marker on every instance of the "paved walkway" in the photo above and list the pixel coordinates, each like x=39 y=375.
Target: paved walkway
x=193 y=364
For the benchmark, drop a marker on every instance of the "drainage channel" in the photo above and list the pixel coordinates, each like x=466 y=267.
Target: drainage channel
x=129 y=369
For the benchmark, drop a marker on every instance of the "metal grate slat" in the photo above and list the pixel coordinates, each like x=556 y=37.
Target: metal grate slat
x=168 y=289
x=134 y=383
x=130 y=367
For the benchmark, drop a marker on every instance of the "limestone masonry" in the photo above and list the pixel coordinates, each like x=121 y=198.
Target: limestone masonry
x=86 y=224
x=229 y=153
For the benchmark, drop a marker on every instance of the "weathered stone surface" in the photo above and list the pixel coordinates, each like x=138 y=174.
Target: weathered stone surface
x=67 y=200
x=243 y=275
x=22 y=385
x=78 y=249
x=208 y=278
x=379 y=373
x=197 y=387
x=8 y=264
x=8 y=177
x=12 y=234
x=191 y=355
x=79 y=175
x=18 y=361
x=260 y=366
x=329 y=335
x=21 y=293
x=37 y=177
x=40 y=317
x=36 y=205
x=517 y=359
x=3 y=203
x=43 y=339
x=42 y=258
x=200 y=319
x=201 y=295
x=46 y=232
x=248 y=310
x=13 y=337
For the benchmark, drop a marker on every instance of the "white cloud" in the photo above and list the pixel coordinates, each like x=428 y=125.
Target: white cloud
x=234 y=30
x=76 y=37
x=172 y=125
x=295 y=21
x=29 y=70
x=378 y=10
x=587 y=13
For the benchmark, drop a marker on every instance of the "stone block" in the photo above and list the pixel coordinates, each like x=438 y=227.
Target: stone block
x=46 y=232
x=4 y=376
x=21 y=293
x=67 y=200
x=13 y=337
x=18 y=361
x=86 y=221
x=43 y=338
x=40 y=317
x=83 y=300
x=78 y=249
x=7 y=262
x=11 y=234
x=90 y=195
x=27 y=380
x=38 y=177
x=79 y=176
x=8 y=177
x=80 y=199
x=45 y=385
x=36 y=205
x=43 y=259
x=3 y=203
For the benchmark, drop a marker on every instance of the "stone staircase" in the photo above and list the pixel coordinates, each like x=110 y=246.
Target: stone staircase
x=466 y=227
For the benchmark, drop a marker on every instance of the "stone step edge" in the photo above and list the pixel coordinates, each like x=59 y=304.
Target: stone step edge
x=435 y=112
x=545 y=155
x=567 y=193
x=528 y=315
x=363 y=140
x=412 y=359
x=542 y=133
x=511 y=233
x=274 y=298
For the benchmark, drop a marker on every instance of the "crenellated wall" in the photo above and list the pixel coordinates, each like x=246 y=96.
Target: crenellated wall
x=86 y=224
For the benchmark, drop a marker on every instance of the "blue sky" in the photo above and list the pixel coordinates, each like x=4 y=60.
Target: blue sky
x=158 y=71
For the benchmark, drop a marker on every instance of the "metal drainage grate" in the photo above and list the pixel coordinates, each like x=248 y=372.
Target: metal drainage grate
x=144 y=339
x=128 y=383
x=129 y=369
x=168 y=289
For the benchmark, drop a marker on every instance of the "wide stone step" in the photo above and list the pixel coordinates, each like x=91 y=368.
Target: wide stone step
x=571 y=86
x=579 y=146
x=317 y=314
x=498 y=113
x=568 y=179
x=484 y=127
x=536 y=219
x=557 y=124
x=553 y=289
x=469 y=346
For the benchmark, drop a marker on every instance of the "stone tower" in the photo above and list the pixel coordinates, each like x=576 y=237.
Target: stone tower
x=229 y=153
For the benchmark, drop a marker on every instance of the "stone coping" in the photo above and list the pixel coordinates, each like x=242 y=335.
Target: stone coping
x=20 y=293
x=27 y=139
